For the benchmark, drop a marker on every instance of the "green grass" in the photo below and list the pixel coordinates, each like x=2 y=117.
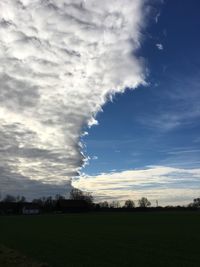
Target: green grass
x=12 y=258
x=106 y=239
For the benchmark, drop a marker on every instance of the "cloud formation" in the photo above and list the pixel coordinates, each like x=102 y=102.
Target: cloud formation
x=60 y=62
x=159 y=46
x=168 y=185
x=180 y=103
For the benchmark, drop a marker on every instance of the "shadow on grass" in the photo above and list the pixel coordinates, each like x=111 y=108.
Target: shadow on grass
x=13 y=258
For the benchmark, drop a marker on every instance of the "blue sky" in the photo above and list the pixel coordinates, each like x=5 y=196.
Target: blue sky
x=60 y=63
x=147 y=141
x=157 y=124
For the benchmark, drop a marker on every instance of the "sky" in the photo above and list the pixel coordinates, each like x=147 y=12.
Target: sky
x=100 y=95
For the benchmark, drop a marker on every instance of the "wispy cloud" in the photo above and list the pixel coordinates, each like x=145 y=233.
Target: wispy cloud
x=182 y=151
x=60 y=62
x=168 y=185
x=182 y=158
x=157 y=17
x=159 y=46
x=180 y=104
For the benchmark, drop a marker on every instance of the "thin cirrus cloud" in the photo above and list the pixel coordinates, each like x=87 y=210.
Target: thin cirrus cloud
x=60 y=62
x=168 y=185
x=180 y=104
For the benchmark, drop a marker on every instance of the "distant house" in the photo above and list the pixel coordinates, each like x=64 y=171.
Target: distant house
x=69 y=205
x=19 y=208
x=30 y=208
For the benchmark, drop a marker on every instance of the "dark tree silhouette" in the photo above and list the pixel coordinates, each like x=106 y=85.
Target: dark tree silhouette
x=129 y=204
x=21 y=199
x=77 y=194
x=196 y=203
x=104 y=204
x=9 y=198
x=59 y=197
x=115 y=204
x=144 y=202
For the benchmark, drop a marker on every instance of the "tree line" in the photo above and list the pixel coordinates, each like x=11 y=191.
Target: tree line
x=50 y=204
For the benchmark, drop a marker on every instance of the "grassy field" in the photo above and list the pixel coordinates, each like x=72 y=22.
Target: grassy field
x=10 y=257
x=106 y=239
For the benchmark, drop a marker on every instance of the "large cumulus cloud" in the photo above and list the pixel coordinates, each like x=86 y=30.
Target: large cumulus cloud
x=60 y=62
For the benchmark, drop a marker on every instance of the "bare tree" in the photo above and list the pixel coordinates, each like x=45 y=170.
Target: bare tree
x=59 y=197
x=21 y=199
x=144 y=202
x=104 y=204
x=9 y=198
x=129 y=204
x=196 y=203
x=77 y=194
x=115 y=204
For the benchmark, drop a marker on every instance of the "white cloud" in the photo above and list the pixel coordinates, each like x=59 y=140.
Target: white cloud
x=60 y=62
x=157 y=17
x=166 y=184
x=159 y=46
